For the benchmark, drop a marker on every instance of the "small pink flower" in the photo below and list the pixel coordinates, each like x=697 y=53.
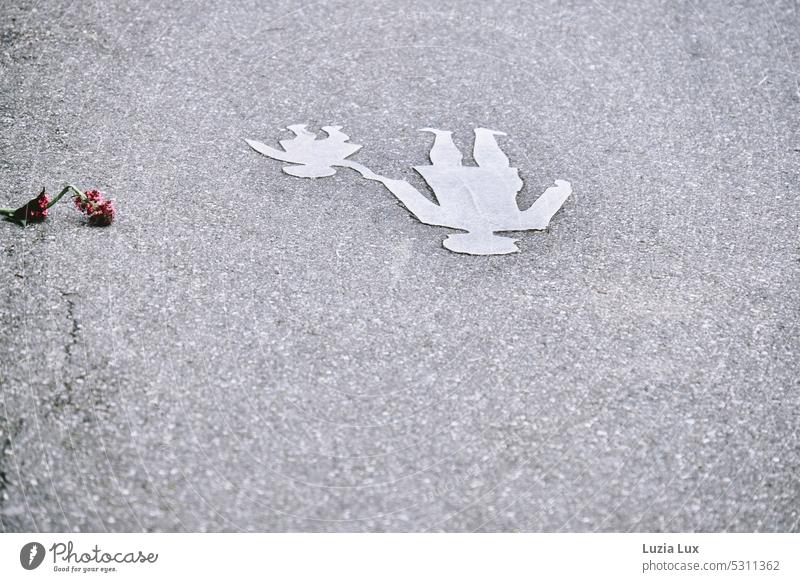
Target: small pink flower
x=94 y=196
x=103 y=214
x=94 y=205
x=37 y=208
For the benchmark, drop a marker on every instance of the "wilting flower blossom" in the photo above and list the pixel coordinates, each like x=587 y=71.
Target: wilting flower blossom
x=95 y=206
x=103 y=214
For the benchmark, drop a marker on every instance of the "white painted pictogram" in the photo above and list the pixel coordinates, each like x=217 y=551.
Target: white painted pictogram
x=481 y=200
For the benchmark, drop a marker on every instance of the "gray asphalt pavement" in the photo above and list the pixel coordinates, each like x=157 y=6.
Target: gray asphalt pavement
x=247 y=350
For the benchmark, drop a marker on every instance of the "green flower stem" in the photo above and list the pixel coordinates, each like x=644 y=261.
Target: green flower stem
x=66 y=189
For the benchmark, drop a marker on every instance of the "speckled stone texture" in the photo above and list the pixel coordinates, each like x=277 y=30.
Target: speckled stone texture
x=248 y=351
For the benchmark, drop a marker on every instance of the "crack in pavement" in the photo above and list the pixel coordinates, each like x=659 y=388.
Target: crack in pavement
x=8 y=432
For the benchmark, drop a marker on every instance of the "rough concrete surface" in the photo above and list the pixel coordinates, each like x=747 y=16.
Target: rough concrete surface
x=245 y=350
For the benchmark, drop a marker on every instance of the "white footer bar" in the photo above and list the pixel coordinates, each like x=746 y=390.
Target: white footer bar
x=401 y=557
